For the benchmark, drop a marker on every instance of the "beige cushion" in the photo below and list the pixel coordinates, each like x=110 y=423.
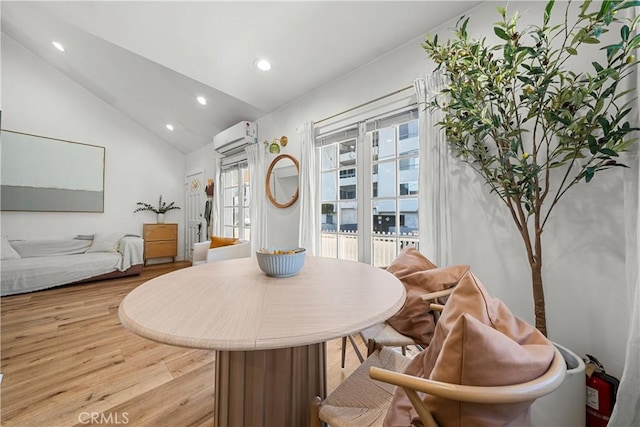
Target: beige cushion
x=420 y=276
x=504 y=350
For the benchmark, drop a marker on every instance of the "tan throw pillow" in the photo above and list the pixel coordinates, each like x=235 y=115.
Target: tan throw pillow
x=470 y=298
x=476 y=354
x=408 y=261
x=415 y=319
x=217 y=242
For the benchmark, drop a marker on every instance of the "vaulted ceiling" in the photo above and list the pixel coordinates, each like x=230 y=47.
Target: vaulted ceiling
x=151 y=59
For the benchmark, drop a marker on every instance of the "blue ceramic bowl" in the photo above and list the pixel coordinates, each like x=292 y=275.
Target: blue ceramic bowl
x=277 y=264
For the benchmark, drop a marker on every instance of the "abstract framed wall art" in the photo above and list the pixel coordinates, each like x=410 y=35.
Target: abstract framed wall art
x=50 y=175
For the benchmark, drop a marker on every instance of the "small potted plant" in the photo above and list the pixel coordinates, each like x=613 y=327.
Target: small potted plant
x=160 y=210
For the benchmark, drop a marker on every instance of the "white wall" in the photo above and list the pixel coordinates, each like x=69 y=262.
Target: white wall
x=38 y=99
x=584 y=242
x=202 y=160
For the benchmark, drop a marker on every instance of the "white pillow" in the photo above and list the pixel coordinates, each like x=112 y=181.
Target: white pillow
x=7 y=251
x=105 y=242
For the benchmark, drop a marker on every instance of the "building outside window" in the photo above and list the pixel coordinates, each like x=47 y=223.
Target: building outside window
x=394 y=166
x=339 y=204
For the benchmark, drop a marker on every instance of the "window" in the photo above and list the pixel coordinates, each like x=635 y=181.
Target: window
x=394 y=196
x=339 y=206
x=236 y=200
x=369 y=190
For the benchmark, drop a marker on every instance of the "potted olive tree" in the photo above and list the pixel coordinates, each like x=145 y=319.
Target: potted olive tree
x=531 y=126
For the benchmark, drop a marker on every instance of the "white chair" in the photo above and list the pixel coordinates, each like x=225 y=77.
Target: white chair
x=203 y=254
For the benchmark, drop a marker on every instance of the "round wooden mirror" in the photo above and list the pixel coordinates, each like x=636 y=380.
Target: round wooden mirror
x=282 y=181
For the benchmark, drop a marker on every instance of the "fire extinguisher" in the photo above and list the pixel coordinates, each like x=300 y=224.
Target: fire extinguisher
x=601 y=393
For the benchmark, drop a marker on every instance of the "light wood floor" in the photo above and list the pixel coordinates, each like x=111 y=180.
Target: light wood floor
x=65 y=358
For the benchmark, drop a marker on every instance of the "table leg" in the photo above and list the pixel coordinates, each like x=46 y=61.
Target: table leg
x=271 y=388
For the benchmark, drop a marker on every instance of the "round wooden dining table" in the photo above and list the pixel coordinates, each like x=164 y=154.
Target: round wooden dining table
x=269 y=333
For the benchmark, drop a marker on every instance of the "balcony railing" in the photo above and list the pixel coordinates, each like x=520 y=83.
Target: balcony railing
x=386 y=246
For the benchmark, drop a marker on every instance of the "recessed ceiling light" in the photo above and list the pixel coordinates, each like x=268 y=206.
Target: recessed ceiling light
x=262 y=64
x=170 y=126
x=58 y=46
x=202 y=100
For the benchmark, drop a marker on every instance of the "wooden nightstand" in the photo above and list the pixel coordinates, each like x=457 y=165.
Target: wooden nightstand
x=160 y=241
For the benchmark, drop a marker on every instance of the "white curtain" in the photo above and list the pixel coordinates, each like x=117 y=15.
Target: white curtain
x=627 y=409
x=308 y=232
x=434 y=182
x=216 y=209
x=256 y=158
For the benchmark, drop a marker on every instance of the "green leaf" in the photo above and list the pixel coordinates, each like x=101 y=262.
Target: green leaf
x=634 y=23
x=572 y=155
x=612 y=49
x=526 y=80
x=593 y=144
x=628 y=4
x=625 y=145
x=571 y=51
x=584 y=7
x=635 y=41
x=463 y=28
x=597 y=31
x=589 y=173
x=580 y=34
x=501 y=33
x=604 y=124
x=605 y=14
x=609 y=152
x=624 y=33
x=547 y=12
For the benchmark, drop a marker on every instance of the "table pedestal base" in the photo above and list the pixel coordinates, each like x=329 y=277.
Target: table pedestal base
x=269 y=387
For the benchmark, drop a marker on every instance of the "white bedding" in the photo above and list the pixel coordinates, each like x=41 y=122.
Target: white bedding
x=47 y=248
x=132 y=250
x=36 y=273
x=42 y=266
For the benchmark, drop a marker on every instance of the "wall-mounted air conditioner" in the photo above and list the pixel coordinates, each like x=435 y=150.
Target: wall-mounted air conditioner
x=236 y=138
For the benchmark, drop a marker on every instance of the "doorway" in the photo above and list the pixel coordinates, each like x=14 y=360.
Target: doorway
x=195 y=204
